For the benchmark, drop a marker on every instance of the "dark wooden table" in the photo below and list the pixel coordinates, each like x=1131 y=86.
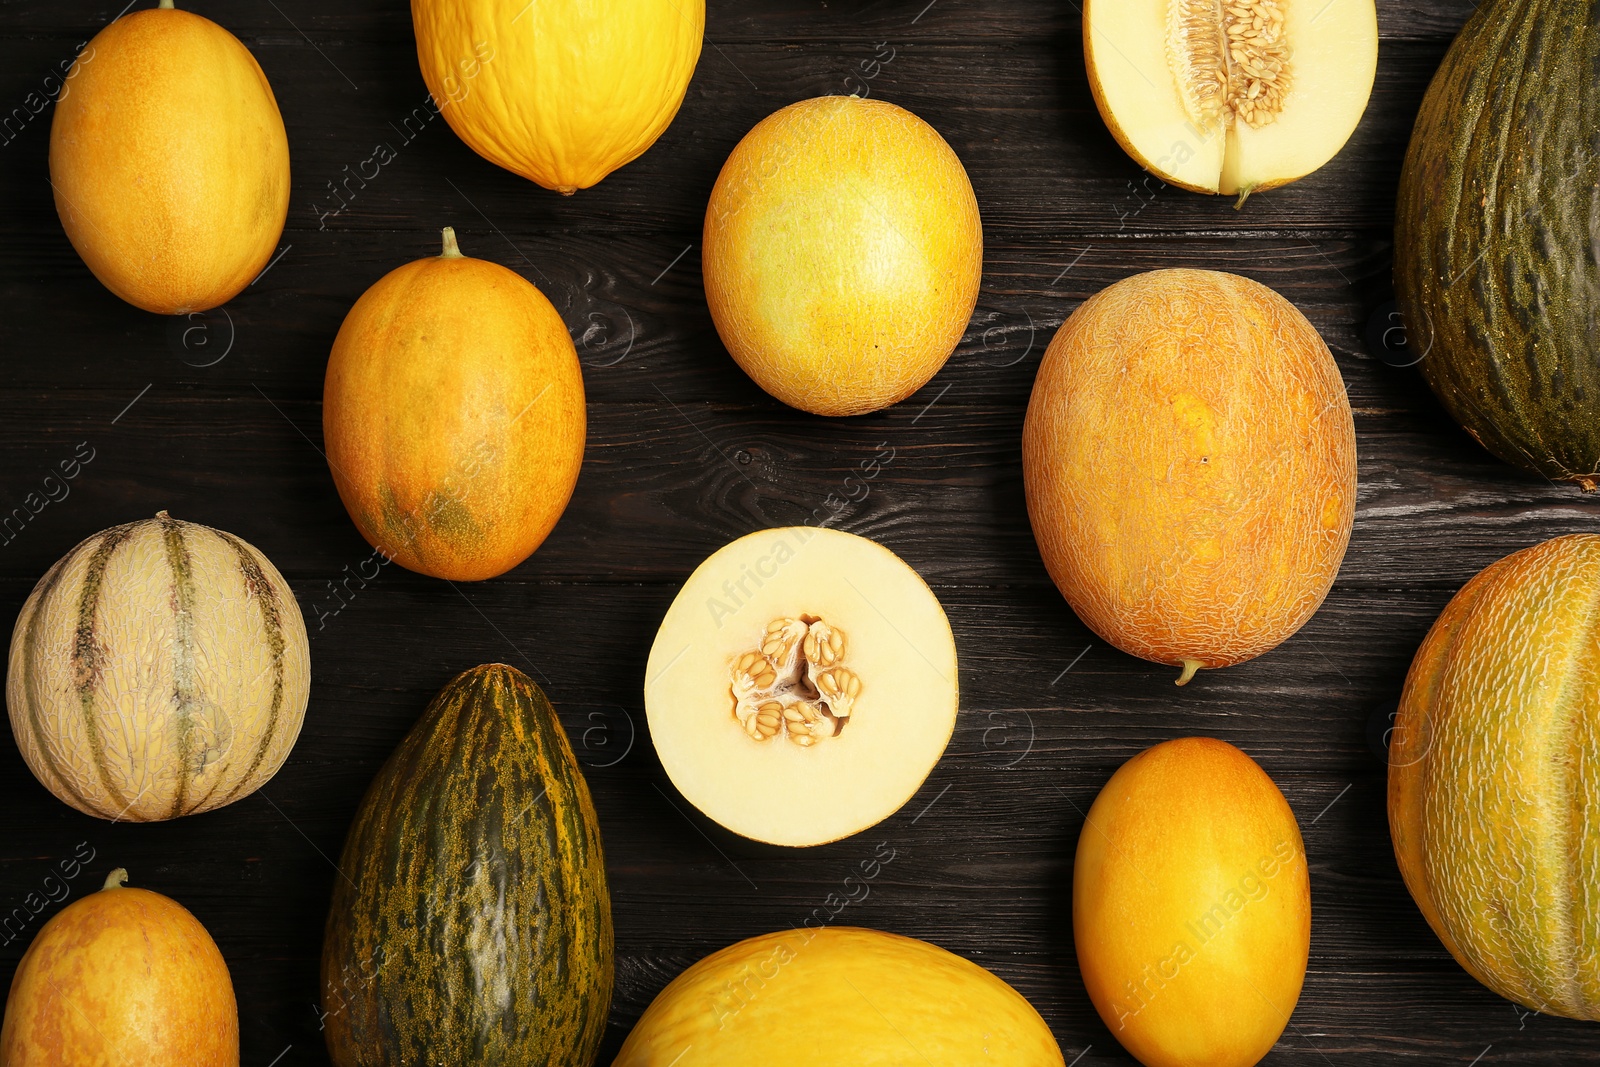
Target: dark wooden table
x=218 y=419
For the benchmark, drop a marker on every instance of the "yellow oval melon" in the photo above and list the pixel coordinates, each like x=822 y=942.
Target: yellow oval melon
x=1494 y=777
x=158 y=669
x=453 y=416
x=169 y=161
x=1231 y=98
x=838 y=995
x=1190 y=465
x=123 y=976
x=1191 y=906
x=562 y=92
x=801 y=663
x=843 y=252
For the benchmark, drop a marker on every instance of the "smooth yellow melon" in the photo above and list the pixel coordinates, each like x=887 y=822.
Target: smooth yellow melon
x=1231 y=97
x=838 y=997
x=843 y=253
x=158 y=669
x=122 y=976
x=1191 y=906
x=802 y=685
x=169 y=161
x=454 y=416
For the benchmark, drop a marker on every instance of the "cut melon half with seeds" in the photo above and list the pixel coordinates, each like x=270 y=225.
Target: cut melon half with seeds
x=802 y=685
x=1231 y=96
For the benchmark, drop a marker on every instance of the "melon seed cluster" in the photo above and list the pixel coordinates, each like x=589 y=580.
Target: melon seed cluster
x=1236 y=70
x=796 y=683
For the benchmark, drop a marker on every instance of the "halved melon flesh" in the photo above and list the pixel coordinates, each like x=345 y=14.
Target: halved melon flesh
x=802 y=685
x=1231 y=96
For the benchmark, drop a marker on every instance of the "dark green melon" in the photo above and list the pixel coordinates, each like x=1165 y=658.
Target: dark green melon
x=471 y=924
x=1497 y=233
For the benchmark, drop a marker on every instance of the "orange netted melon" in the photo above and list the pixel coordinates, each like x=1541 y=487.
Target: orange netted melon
x=562 y=92
x=169 y=161
x=122 y=976
x=160 y=668
x=1233 y=97
x=1191 y=906
x=801 y=663
x=453 y=415
x=1494 y=777
x=1190 y=466
x=838 y=995
x=843 y=252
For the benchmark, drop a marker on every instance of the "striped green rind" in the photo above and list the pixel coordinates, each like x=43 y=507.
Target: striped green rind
x=1496 y=228
x=470 y=921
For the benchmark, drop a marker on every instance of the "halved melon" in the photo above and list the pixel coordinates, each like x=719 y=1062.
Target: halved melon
x=802 y=685
x=1231 y=96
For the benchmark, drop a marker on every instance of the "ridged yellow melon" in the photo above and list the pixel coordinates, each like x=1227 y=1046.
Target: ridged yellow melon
x=562 y=92
x=160 y=668
x=838 y=997
x=169 y=161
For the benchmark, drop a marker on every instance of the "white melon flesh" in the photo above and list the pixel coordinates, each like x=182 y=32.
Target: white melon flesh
x=802 y=685
x=1231 y=96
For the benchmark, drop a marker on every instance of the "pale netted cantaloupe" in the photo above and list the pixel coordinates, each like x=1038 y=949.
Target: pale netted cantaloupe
x=802 y=685
x=1231 y=96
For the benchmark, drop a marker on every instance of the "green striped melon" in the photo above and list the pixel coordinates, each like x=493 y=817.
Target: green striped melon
x=471 y=923
x=160 y=668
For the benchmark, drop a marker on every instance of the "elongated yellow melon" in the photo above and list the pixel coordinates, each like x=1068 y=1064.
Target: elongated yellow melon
x=1191 y=906
x=169 y=161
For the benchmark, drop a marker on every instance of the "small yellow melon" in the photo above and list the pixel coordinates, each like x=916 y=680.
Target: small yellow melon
x=1191 y=906
x=1235 y=97
x=169 y=161
x=454 y=416
x=843 y=252
x=802 y=685
x=122 y=976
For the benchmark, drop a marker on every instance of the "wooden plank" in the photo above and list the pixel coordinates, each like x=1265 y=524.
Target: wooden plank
x=727 y=21
x=1040 y=158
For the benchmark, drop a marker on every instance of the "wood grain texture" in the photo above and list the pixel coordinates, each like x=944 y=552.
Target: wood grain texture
x=217 y=419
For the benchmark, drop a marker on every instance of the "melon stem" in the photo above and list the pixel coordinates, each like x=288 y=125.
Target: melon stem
x=451 y=249
x=1189 y=668
x=119 y=877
